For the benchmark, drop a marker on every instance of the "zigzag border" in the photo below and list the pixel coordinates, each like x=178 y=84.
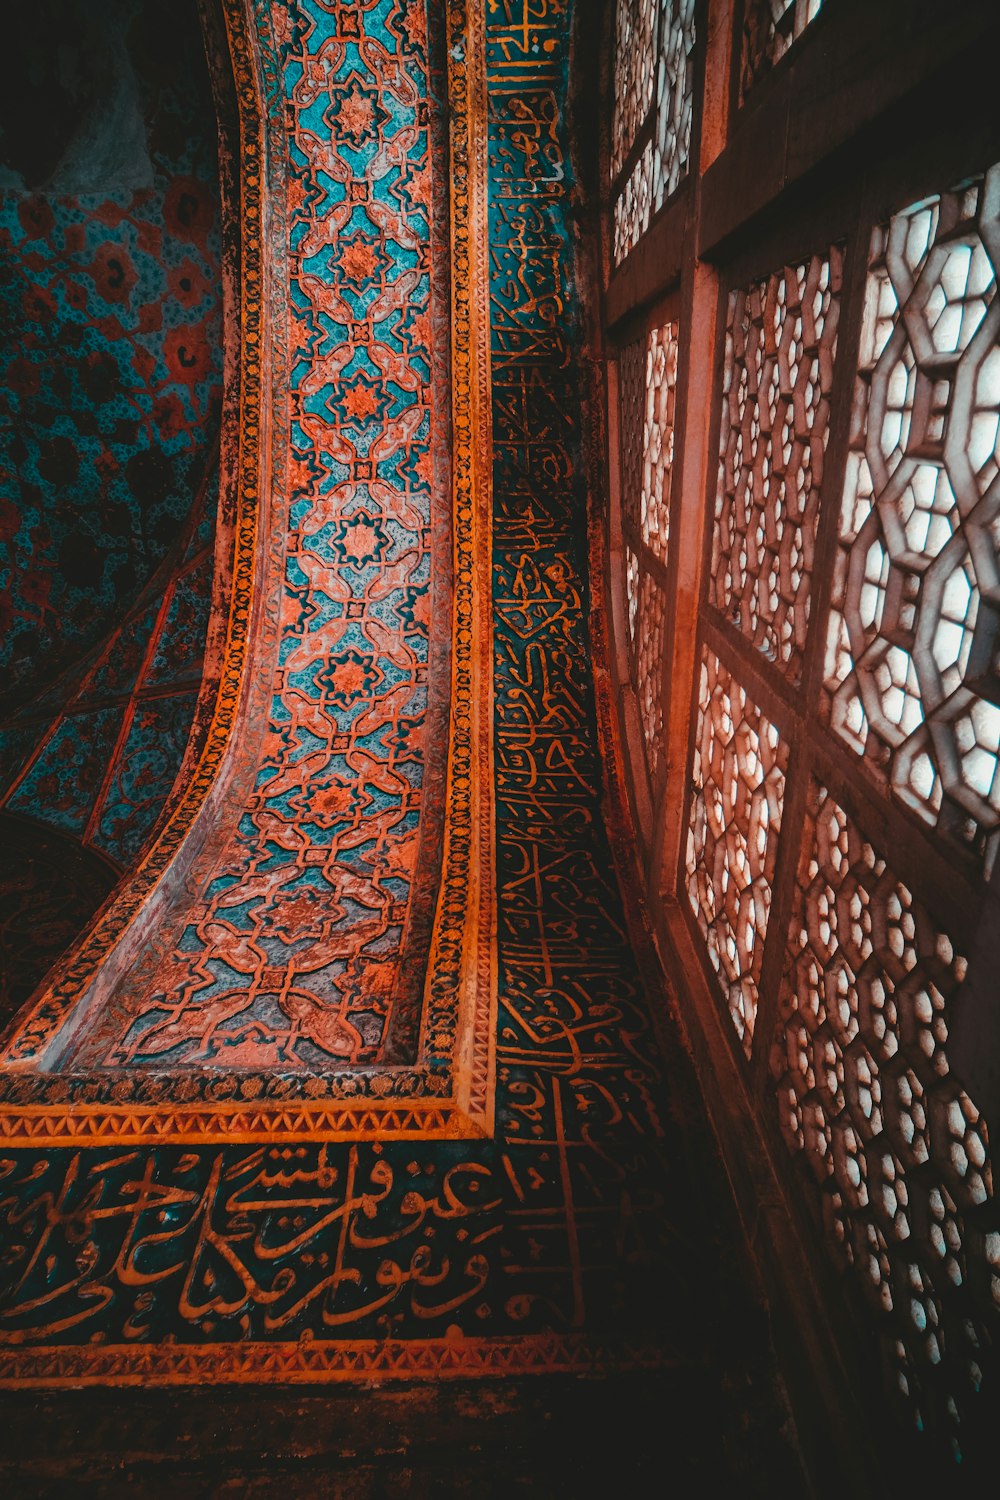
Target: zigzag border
x=319 y=1362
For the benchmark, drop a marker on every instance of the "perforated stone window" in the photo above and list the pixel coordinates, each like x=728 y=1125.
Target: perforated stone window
x=781 y=344
x=811 y=592
x=914 y=637
x=896 y=1149
x=647 y=394
x=738 y=789
x=653 y=112
x=769 y=29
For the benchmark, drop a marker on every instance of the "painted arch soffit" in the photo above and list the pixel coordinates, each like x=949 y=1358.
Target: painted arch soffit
x=308 y=946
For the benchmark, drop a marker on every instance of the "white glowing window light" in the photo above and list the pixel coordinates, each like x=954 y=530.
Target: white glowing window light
x=674 y=97
x=654 y=50
x=896 y=1149
x=769 y=29
x=635 y=71
x=738 y=776
x=781 y=344
x=913 y=647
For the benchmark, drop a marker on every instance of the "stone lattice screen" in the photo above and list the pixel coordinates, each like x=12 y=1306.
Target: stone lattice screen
x=653 y=110
x=648 y=387
x=842 y=809
x=769 y=29
x=912 y=664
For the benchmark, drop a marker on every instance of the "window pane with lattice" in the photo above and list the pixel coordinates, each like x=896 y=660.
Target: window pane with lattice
x=633 y=206
x=658 y=437
x=635 y=70
x=781 y=341
x=647 y=385
x=769 y=29
x=738 y=776
x=631 y=408
x=913 y=653
x=896 y=1148
x=674 y=97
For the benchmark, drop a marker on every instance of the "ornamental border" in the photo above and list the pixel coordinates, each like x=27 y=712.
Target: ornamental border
x=319 y=1361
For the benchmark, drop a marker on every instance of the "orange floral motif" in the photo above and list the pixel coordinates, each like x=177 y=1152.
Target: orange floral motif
x=358 y=260
x=360 y=401
x=356 y=114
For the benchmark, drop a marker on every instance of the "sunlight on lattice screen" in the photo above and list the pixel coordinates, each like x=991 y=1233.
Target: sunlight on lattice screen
x=631 y=589
x=781 y=342
x=674 y=97
x=647 y=381
x=635 y=70
x=769 y=29
x=633 y=207
x=897 y=1150
x=658 y=437
x=913 y=649
x=738 y=778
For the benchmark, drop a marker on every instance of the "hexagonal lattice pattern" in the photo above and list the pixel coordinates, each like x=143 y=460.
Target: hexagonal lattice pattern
x=865 y=1095
x=658 y=437
x=634 y=205
x=649 y=667
x=647 y=385
x=769 y=29
x=781 y=341
x=738 y=793
x=635 y=55
x=674 y=97
x=914 y=636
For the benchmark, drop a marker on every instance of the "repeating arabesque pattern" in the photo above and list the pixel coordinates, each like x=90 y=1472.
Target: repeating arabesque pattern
x=293 y=959
x=562 y=1228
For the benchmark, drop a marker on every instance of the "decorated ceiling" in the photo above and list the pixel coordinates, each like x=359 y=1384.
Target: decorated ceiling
x=111 y=361
x=360 y=1073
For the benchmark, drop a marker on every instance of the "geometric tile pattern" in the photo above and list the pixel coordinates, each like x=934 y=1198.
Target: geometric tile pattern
x=914 y=634
x=291 y=956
